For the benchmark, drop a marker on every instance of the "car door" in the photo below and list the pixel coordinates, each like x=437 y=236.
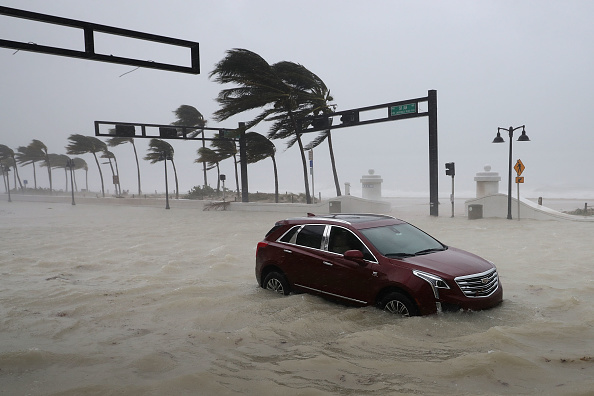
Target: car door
x=302 y=261
x=345 y=278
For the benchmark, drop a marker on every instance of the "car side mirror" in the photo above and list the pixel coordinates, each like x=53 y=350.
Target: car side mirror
x=355 y=255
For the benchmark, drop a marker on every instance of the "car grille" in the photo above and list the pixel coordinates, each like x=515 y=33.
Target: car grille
x=479 y=285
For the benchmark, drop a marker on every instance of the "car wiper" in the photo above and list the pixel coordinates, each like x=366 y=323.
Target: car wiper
x=426 y=251
x=400 y=255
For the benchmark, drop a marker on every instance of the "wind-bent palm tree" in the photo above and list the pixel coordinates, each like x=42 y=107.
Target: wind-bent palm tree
x=226 y=148
x=25 y=156
x=109 y=155
x=80 y=144
x=211 y=158
x=59 y=161
x=189 y=116
x=287 y=92
x=40 y=150
x=116 y=141
x=160 y=150
x=80 y=163
x=259 y=147
x=7 y=153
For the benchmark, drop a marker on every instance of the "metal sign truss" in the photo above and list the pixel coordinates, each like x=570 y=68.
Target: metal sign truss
x=89 y=53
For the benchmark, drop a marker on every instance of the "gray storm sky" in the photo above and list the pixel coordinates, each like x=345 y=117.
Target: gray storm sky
x=493 y=64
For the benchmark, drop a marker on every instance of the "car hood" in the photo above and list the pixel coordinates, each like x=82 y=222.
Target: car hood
x=452 y=261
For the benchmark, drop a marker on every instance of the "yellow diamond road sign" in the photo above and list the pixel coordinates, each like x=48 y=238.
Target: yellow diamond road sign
x=519 y=167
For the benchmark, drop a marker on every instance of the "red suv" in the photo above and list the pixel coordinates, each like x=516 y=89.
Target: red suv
x=365 y=259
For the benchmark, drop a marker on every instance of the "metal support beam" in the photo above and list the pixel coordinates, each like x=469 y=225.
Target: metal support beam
x=89 y=53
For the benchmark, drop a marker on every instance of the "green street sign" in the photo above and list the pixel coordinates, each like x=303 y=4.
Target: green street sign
x=403 y=109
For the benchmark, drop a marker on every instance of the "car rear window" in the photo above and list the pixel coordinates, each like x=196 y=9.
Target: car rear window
x=311 y=236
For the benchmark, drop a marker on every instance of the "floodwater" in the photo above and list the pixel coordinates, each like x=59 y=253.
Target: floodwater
x=112 y=300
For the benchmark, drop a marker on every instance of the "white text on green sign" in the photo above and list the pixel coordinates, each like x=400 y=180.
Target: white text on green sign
x=403 y=109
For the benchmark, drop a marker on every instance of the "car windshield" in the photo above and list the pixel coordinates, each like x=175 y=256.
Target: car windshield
x=401 y=240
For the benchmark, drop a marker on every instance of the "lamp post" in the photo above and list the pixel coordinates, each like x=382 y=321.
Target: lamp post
x=165 y=157
x=498 y=139
x=70 y=165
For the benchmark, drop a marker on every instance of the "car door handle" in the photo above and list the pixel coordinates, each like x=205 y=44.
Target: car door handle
x=327 y=263
x=287 y=251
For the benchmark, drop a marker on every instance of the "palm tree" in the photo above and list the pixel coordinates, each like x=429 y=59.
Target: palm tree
x=6 y=153
x=189 y=116
x=80 y=163
x=258 y=147
x=59 y=161
x=211 y=158
x=39 y=149
x=80 y=144
x=287 y=92
x=116 y=141
x=25 y=156
x=226 y=148
x=160 y=150
x=109 y=155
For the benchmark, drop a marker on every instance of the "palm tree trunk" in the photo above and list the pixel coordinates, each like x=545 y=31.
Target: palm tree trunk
x=49 y=173
x=118 y=173
x=137 y=166
x=16 y=172
x=115 y=186
x=100 y=175
x=304 y=163
x=75 y=185
x=303 y=160
x=275 y=179
x=236 y=177
x=336 y=183
x=66 y=177
x=34 y=175
x=87 y=179
x=176 y=183
x=204 y=163
x=218 y=178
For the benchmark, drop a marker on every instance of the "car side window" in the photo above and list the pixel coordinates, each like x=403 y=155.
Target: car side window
x=289 y=236
x=341 y=240
x=311 y=236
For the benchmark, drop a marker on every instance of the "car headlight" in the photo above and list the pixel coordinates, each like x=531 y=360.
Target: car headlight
x=435 y=281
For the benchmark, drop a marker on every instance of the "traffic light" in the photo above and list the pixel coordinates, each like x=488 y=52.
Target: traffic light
x=167 y=133
x=125 y=130
x=320 y=122
x=349 y=118
x=450 y=169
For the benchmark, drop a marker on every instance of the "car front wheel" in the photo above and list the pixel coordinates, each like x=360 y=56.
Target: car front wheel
x=276 y=282
x=398 y=304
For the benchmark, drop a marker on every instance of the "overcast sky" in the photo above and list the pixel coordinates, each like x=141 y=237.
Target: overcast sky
x=493 y=64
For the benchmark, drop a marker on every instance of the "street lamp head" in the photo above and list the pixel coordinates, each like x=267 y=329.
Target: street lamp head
x=498 y=138
x=523 y=137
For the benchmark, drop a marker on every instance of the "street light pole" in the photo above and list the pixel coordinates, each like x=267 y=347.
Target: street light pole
x=499 y=139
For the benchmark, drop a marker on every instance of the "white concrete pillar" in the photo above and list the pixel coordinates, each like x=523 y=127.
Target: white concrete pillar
x=487 y=182
x=372 y=185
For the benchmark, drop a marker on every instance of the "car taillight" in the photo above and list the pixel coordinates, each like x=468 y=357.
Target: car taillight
x=261 y=245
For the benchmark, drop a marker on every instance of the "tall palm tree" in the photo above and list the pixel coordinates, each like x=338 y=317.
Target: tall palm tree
x=39 y=149
x=116 y=141
x=24 y=156
x=258 y=147
x=7 y=153
x=80 y=163
x=287 y=92
x=109 y=155
x=187 y=115
x=160 y=150
x=226 y=148
x=80 y=144
x=211 y=158
x=59 y=161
